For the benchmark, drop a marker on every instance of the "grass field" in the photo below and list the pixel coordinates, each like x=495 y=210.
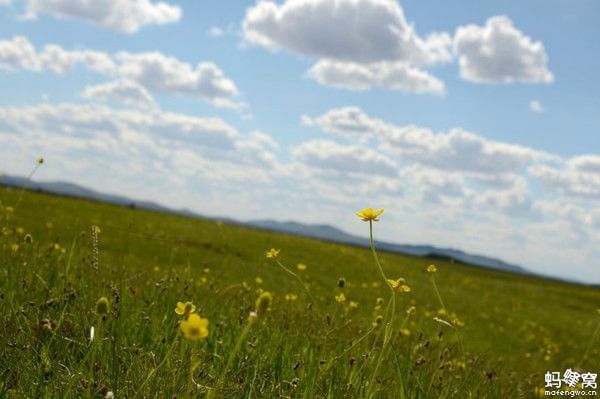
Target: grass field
x=494 y=336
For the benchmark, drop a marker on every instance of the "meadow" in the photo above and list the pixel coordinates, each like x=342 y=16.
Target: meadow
x=313 y=320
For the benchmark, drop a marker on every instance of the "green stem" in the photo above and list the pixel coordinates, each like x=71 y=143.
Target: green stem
x=212 y=392
x=297 y=277
x=153 y=371
x=390 y=310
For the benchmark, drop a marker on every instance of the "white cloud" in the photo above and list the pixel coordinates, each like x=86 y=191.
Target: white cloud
x=126 y=92
x=536 y=106
x=579 y=177
x=137 y=143
x=120 y=15
x=393 y=76
x=19 y=53
x=165 y=74
x=456 y=150
x=215 y=31
x=153 y=70
x=362 y=31
x=328 y=155
x=500 y=53
x=359 y=44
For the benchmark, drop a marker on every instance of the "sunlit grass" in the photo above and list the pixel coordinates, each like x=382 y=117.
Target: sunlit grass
x=92 y=310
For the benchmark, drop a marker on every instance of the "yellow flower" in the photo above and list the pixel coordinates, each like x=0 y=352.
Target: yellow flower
x=291 y=297
x=185 y=309
x=272 y=253
x=431 y=269
x=263 y=303
x=340 y=298
x=258 y=280
x=14 y=247
x=96 y=229
x=369 y=215
x=301 y=267
x=398 y=284
x=411 y=310
x=353 y=305
x=206 y=270
x=405 y=332
x=195 y=327
x=377 y=322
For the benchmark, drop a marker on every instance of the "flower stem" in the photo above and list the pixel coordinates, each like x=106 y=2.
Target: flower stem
x=213 y=391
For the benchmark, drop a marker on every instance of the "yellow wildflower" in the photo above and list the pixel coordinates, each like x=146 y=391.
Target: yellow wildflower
x=195 y=327
x=185 y=309
x=405 y=332
x=431 y=269
x=301 y=267
x=377 y=322
x=411 y=310
x=353 y=305
x=341 y=298
x=291 y=297
x=14 y=247
x=258 y=280
x=369 y=215
x=272 y=253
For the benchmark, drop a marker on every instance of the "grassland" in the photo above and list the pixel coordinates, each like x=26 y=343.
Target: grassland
x=503 y=331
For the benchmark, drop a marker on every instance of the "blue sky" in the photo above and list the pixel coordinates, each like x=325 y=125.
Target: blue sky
x=473 y=123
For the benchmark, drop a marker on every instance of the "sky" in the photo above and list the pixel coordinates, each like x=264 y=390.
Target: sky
x=474 y=124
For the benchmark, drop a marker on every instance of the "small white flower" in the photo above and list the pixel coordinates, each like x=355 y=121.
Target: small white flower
x=109 y=395
x=92 y=334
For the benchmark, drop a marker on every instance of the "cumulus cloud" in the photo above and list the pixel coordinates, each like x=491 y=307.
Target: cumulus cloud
x=329 y=155
x=152 y=141
x=498 y=52
x=578 y=177
x=362 y=31
x=456 y=149
x=126 y=92
x=121 y=15
x=152 y=70
x=358 y=43
x=159 y=72
x=19 y=53
x=358 y=77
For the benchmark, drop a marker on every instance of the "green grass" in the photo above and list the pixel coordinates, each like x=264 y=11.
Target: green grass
x=515 y=327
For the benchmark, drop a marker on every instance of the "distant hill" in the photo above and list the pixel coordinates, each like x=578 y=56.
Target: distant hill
x=323 y=232
x=329 y=233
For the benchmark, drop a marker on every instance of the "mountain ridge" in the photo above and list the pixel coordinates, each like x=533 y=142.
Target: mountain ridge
x=321 y=231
